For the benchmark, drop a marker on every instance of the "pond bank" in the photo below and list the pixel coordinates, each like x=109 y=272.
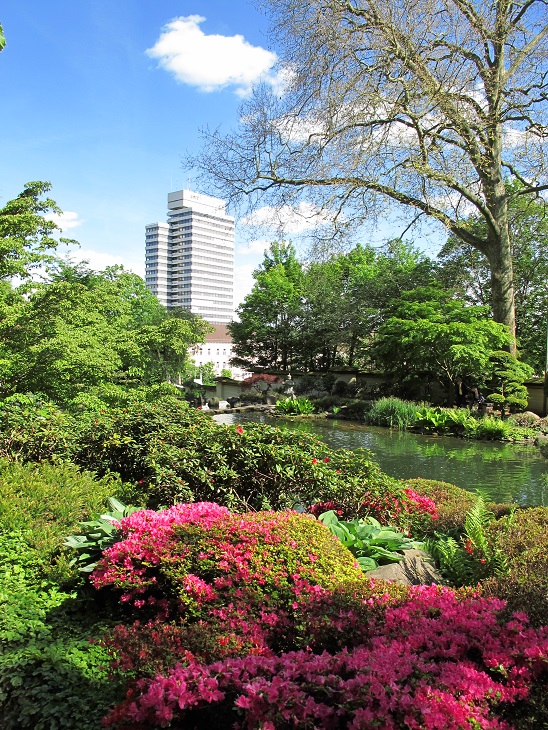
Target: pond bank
x=507 y=472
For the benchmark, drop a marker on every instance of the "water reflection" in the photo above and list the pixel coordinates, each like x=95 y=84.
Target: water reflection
x=506 y=472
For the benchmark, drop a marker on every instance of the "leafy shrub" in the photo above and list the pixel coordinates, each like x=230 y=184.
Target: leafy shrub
x=523 y=538
x=370 y=543
x=32 y=428
x=47 y=501
x=437 y=661
x=172 y=453
x=295 y=406
x=327 y=402
x=50 y=674
x=392 y=412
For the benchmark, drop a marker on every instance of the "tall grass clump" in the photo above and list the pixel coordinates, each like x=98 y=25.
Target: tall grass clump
x=393 y=412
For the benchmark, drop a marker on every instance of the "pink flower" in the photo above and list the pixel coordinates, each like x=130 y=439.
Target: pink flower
x=239 y=429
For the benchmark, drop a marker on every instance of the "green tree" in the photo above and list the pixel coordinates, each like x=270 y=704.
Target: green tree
x=26 y=237
x=423 y=107
x=266 y=334
x=82 y=329
x=206 y=371
x=468 y=271
x=432 y=336
x=2 y=39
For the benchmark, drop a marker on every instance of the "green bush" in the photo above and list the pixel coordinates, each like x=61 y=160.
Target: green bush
x=173 y=453
x=393 y=412
x=524 y=539
x=32 y=428
x=50 y=674
x=47 y=501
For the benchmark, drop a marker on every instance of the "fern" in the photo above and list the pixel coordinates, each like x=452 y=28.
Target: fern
x=478 y=519
x=472 y=558
x=454 y=563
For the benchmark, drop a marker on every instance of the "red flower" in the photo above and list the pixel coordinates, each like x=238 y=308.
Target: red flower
x=314 y=461
x=239 y=429
x=326 y=459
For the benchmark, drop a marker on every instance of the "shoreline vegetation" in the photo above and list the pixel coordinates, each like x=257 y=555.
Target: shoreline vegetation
x=212 y=596
x=391 y=412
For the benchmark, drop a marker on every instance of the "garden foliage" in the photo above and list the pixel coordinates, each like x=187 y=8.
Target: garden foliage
x=296 y=633
x=370 y=542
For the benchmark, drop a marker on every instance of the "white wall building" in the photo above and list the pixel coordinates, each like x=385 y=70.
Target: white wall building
x=190 y=260
x=218 y=350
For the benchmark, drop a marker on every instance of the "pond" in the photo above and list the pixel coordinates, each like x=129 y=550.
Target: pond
x=507 y=472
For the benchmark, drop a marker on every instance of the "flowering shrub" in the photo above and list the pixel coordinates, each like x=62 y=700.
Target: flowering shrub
x=452 y=503
x=401 y=509
x=226 y=584
x=438 y=661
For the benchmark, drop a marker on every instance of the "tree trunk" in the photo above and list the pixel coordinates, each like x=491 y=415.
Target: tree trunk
x=499 y=254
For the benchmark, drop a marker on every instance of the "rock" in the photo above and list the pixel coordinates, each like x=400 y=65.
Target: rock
x=532 y=416
x=415 y=569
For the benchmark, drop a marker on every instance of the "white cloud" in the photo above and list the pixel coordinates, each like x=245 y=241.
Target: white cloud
x=212 y=62
x=258 y=246
x=65 y=221
x=98 y=260
x=304 y=217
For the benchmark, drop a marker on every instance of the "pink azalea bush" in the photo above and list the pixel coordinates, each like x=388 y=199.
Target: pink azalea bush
x=436 y=662
x=224 y=584
x=263 y=620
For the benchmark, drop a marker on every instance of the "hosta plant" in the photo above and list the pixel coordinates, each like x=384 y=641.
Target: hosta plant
x=370 y=542
x=97 y=535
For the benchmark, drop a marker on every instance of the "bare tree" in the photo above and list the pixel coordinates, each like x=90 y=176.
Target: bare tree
x=427 y=105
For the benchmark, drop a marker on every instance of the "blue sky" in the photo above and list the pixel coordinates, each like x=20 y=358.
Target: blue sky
x=103 y=97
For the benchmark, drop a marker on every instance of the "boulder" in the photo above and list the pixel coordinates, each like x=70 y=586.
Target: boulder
x=416 y=568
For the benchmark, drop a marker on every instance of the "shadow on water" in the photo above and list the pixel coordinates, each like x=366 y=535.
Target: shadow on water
x=504 y=471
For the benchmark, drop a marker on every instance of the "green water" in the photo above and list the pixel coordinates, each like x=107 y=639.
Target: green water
x=508 y=473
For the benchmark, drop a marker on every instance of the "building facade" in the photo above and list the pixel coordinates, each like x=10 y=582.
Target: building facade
x=217 y=349
x=190 y=259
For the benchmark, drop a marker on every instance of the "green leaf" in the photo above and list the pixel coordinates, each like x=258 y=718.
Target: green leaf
x=367 y=563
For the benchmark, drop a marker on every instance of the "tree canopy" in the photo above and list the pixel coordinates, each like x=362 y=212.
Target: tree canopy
x=323 y=314
x=78 y=329
x=430 y=107
x=26 y=236
x=83 y=329
x=467 y=271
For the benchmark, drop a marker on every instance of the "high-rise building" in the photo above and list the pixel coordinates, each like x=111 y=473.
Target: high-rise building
x=190 y=259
